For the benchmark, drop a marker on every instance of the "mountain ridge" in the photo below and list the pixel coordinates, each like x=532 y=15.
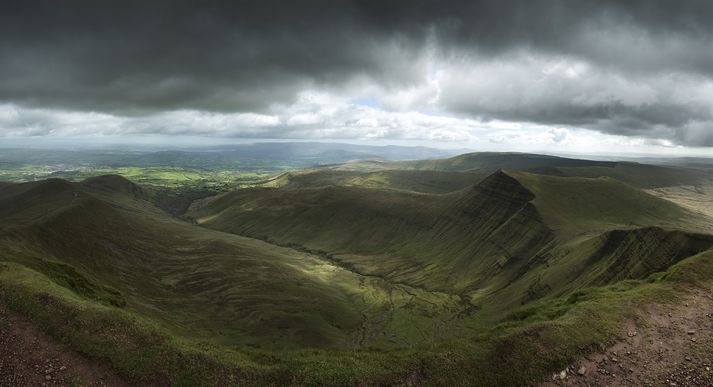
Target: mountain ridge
x=282 y=282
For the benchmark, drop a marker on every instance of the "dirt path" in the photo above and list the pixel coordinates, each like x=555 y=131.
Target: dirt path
x=674 y=348
x=29 y=357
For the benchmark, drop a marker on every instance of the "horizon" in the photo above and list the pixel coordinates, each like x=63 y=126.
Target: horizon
x=198 y=144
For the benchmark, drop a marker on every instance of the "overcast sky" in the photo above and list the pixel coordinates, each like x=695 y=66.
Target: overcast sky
x=627 y=76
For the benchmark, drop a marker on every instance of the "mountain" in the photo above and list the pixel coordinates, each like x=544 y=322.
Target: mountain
x=265 y=155
x=97 y=260
x=341 y=276
x=455 y=173
x=408 y=180
x=215 y=286
x=482 y=237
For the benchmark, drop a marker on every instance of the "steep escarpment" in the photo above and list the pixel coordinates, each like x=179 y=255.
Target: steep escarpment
x=517 y=235
x=488 y=234
x=447 y=242
x=635 y=254
x=602 y=260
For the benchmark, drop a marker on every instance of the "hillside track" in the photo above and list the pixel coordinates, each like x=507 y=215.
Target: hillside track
x=29 y=357
x=670 y=346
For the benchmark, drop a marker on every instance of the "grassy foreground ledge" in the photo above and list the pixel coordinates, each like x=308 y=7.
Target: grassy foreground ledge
x=531 y=343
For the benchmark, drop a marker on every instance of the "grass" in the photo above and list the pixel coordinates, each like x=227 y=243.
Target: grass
x=423 y=181
x=485 y=163
x=145 y=351
x=515 y=239
x=173 y=188
x=150 y=177
x=206 y=284
x=477 y=240
x=370 y=285
x=576 y=205
x=488 y=162
x=534 y=341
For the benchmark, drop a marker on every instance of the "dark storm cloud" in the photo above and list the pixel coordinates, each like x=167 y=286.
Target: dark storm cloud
x=213 y=55
x=143 y=57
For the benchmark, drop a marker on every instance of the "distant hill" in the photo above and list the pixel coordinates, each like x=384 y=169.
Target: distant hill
x=400 y=179
x=266 y=155
x=452 y=174
x=490 y=161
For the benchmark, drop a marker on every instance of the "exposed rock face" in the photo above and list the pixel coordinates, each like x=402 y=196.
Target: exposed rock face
x=631 y=254
x=505 y=231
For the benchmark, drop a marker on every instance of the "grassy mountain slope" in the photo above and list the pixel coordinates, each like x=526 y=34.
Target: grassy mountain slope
x=475 y=242
x=635 y=174
x=579 y=205
x=641 y=175
x=486 y=161
x=102 y=236
x=459 y=172
x=409 y=180
x=428 y=176
x=372 y=285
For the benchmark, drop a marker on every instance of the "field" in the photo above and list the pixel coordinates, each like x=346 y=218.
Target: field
x=173 y=188
x=151 y=177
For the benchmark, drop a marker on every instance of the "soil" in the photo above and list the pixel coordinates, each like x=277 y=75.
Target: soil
x=29 y=357
x=673 y=347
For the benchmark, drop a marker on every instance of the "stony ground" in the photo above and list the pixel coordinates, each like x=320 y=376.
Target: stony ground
x=674 y=347
x=28 y=357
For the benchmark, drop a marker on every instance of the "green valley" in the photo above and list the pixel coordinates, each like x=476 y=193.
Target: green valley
x=366 y=272
x=356 y=193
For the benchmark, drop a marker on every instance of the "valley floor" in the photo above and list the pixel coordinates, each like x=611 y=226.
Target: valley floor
x=29 y=357
x=672 y=345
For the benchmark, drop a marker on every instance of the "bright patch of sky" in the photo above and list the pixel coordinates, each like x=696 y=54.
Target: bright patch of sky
x=316 y=117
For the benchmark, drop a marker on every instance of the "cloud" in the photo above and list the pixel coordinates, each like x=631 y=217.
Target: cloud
x=639 y=68
x=313 y=115
x=565 y=91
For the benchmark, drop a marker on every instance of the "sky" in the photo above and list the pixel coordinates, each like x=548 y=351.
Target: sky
x=631 y=76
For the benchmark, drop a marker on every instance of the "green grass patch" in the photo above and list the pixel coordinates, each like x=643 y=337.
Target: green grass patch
x=528 y=345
